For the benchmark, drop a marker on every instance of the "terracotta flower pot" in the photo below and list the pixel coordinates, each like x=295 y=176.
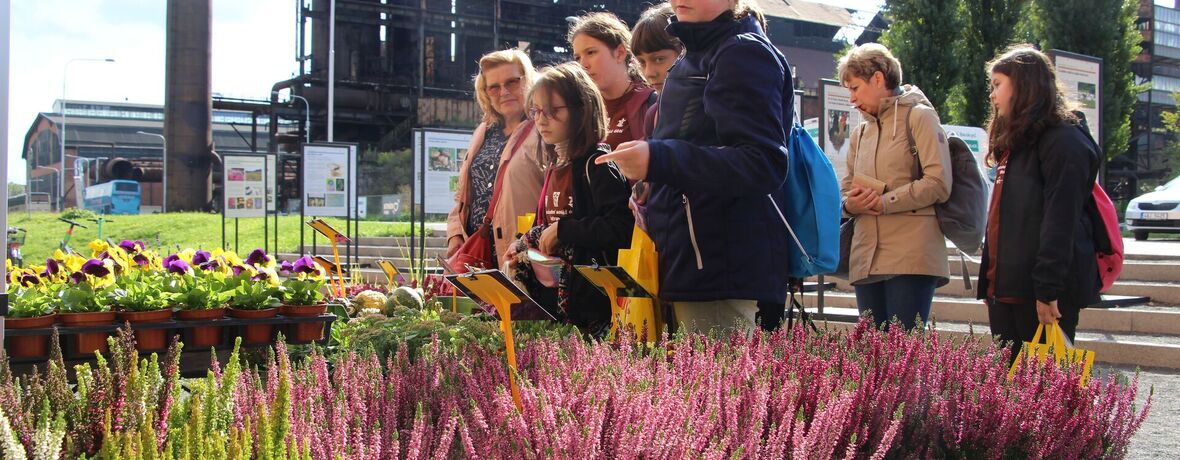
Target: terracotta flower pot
x=34 y=346
x=148 y=339
x=304 y=332
x=89 y=342
x=255 y=334
x=204 y=336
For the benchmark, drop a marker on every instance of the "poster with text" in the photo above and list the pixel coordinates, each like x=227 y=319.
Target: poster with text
x=798 y=103
x=245 y=185
x=1081 y=79
x=836 y=122
x=443 y=153
x=327 y=182
x=974 y=137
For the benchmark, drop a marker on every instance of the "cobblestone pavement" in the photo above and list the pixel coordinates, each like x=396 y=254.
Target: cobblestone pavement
x=1159 y=437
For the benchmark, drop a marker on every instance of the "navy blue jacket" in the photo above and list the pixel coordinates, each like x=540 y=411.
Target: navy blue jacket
x=718 y=150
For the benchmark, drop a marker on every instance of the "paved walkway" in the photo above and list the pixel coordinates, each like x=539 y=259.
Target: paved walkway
x=1152 y=247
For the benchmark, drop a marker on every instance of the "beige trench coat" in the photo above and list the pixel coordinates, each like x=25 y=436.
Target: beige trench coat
x=905 y=239
x=522 y=187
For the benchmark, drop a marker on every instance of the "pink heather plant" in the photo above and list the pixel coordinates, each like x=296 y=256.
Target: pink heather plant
x=864 y=394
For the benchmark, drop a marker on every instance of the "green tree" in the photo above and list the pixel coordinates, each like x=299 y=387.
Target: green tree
x=921 y=35
x=1170 y=155
x=1104 y=29
x=15 y=189
x=990 y=29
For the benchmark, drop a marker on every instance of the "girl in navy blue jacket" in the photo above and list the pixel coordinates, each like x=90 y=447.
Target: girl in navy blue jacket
x=717 y=155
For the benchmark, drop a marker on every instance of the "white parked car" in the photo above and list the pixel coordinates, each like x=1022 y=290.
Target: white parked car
x=1155 y=212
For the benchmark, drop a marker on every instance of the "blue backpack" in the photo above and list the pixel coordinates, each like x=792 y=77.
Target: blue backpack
x=810 y=208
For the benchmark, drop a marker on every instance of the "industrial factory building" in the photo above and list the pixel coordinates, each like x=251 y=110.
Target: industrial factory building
x=109 y=140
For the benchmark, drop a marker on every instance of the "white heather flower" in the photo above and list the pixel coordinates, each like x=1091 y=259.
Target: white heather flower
x=13 y=449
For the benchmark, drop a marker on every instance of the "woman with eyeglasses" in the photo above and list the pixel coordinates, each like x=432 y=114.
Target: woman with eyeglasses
x=601 y=43
x=582 y=216
x=504 y=143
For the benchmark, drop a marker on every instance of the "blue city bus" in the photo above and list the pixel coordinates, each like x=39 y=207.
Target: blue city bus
x=114 y=197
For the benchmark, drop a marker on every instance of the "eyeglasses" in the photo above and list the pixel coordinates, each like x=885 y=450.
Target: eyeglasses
x=509 y=85
x=550 y=113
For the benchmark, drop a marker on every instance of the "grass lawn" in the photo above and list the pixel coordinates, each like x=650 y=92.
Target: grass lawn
x=196 y=230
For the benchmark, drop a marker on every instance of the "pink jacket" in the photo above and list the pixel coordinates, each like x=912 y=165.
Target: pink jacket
x=522 y=187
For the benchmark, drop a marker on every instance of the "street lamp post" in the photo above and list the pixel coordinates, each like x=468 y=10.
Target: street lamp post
x=164 y=168
x=61 y=178
x=306 y=116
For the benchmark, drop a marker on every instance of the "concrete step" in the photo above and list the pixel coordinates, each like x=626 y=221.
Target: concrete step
x=1133 y=270
x=1122 y=349
x=953 y=309
x=1159 y=292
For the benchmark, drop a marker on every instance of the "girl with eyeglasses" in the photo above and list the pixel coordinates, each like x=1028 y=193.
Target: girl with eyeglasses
x=582 y=215
x=504 y=143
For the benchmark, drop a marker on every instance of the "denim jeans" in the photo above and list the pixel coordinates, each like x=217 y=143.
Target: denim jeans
x=903 y=297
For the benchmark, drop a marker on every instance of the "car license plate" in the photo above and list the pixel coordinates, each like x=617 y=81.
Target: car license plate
x=1155 y=216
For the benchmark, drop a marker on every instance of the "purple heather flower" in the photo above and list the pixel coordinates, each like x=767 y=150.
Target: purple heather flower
x=78 y=277
x=29 y=279
x=178 y=266
x=51 y=267
x=141 y=260
x=305 y=265
x=201 y=257
x=257 y=257
x=286 y=267
x=95 y=267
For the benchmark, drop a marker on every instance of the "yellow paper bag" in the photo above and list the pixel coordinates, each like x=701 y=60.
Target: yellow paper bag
x=1058 y=347
x=641 y=262
x=525 y=222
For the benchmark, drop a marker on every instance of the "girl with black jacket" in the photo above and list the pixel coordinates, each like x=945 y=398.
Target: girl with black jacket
x=582 y=216
x=1039 y=262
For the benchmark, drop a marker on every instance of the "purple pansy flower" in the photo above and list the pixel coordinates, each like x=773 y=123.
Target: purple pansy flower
x=200 y=257
x=131 y=246
x=29 y=279
x=95 y=267
x=238 y=269
x=258 y=257
x=261 y=276
x=51 y=267
x=211 y=265
x=286 y=267
x=305 y=265
x=178 y=266
x=169 y=259
x=141 y=260
x=78 y=277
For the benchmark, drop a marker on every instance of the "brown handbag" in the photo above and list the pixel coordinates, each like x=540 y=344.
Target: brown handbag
x=478 y=251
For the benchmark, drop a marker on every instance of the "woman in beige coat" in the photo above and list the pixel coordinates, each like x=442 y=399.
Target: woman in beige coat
x=897 y=171
x=504 y=79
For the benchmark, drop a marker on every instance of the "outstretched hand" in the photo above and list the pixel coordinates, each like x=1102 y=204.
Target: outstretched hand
x=630 y=157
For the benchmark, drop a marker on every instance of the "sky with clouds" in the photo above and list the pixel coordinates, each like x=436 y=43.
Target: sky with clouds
x=253 y=47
